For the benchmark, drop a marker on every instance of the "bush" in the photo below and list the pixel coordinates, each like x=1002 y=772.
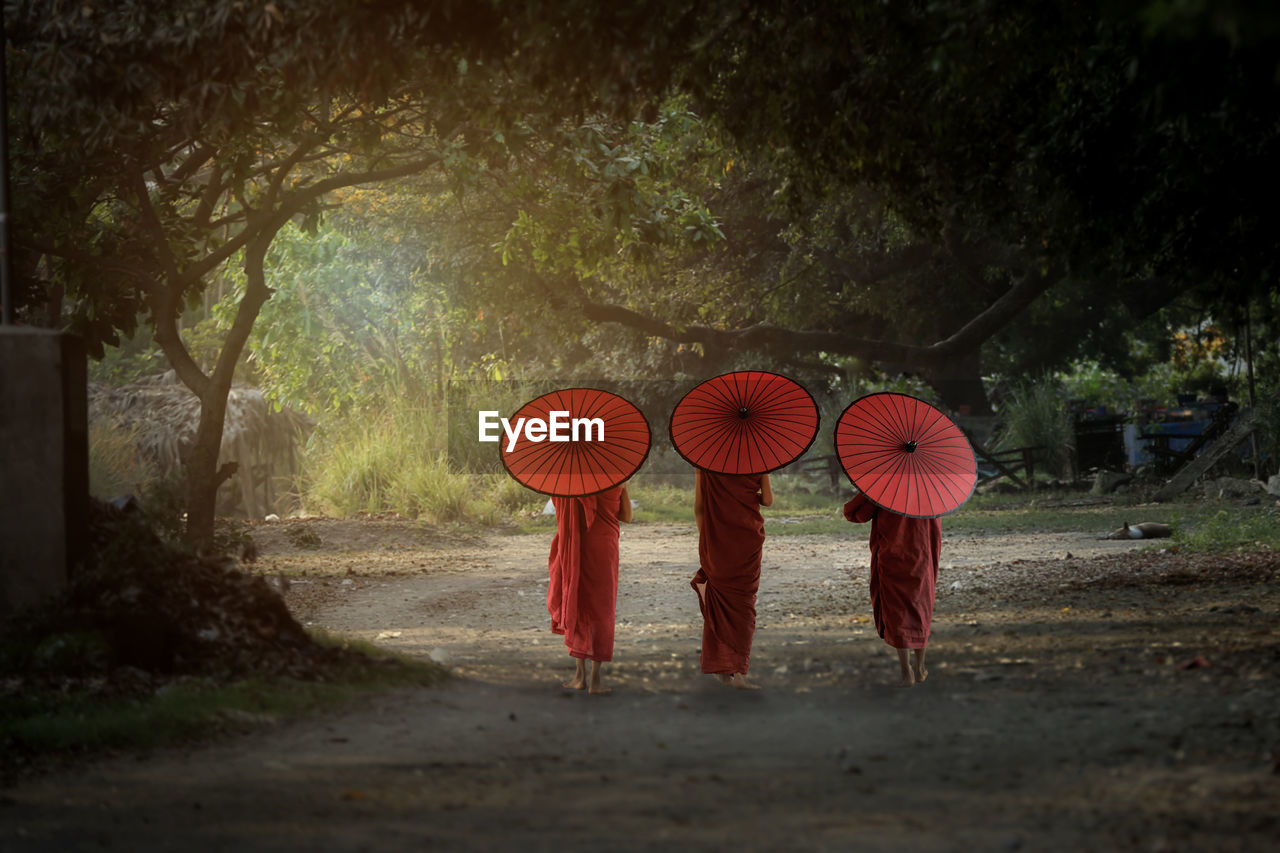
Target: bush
x=1034 y=416
x=116 y=467
x=509 y=497
x=386 y=461
x=1268 y=431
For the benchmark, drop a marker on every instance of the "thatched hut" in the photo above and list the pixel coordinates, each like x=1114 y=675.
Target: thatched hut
x=162 y=414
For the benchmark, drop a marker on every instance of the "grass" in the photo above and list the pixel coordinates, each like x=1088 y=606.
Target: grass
x=74 y=718
x=116 y=467
x=1199 y=525
x=1217 y=530
x=802 y=512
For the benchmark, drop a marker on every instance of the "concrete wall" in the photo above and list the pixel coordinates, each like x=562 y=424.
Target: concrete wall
x=44 y=463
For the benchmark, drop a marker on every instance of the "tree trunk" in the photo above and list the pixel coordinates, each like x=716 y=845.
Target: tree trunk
x=959 y=384
x=202 y=471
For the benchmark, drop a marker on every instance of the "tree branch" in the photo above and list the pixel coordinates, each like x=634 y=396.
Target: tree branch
x=143 y=275
x=295 y=157
x=151 y=222
x=997 y=315
x=209 y=197
x=198 y=157
x=166 y=293
x=292 y=204
x=909 y=356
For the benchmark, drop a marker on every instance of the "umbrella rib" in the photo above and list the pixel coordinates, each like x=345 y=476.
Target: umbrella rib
x=933 y=479
x=903 y=422
x=776 y=406
x=931 y=495
x=754 y=442
x=889 y=472
x=708 y=431
x=718 y=395
x=707 y=438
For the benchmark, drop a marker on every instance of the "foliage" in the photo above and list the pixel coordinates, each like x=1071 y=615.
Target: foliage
x=566 y=211
x=1035 y=415
x=136 y=189
x=227 y=126
x=510 y=498
x=344 y=326
x=1269 y=429
x=1058 y=121
x=998 y=159
x=135 y=356
x=600 y=198
x=115 y=466
x=1229 y=530
x=1090 y=382
x=390 y=460
x=892 y=185
x=466 y=398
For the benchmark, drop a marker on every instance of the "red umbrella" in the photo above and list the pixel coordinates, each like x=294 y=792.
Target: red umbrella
x=749 y=422
x=905 y=455
x=575 y=442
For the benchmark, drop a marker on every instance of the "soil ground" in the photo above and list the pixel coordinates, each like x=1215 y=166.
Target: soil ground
x=1080 y=696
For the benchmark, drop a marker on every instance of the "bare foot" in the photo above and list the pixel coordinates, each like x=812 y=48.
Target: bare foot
x=737 y=680
x=579 y=680
x=904 y=667
x=595 y=680
x=917 y=666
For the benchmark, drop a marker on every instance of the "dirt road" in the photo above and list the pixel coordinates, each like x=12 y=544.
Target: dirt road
x=1080 y=696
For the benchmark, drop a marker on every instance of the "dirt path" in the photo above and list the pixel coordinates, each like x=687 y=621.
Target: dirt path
x=1065 y=709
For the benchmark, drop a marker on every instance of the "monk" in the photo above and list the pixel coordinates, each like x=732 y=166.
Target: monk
x=730 y=540
x=583 y=592
x=904 y=575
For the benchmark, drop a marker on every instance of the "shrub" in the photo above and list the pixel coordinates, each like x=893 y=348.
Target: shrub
x=1034 y=416
x=116 y=467
x=386 y=461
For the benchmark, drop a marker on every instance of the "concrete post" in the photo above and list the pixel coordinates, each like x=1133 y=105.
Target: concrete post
x=44 y=463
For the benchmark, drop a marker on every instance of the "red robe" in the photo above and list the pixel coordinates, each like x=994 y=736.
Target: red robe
x=904 y=572
x=729 y=547
x=583 y=593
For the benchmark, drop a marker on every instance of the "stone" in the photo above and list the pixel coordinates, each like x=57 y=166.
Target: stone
x=1106 y=482
x=1230 y=488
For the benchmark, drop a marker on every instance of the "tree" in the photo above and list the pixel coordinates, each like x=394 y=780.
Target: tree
x=1005 y=149
x=1110 y=155
x=159 y=141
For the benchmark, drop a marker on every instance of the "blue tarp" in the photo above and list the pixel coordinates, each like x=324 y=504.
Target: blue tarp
x=1180 y=435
